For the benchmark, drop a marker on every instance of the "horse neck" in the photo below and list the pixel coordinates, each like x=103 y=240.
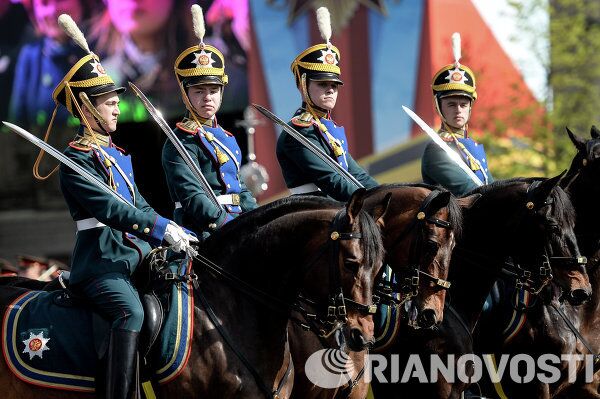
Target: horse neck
x=267 y=260
x=587 y=225
x=473 y=280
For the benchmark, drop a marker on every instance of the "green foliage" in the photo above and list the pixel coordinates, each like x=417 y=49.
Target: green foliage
x=572 y=61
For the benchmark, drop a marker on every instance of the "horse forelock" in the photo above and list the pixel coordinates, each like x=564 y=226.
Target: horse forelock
x=371 y=243
x=455 y=215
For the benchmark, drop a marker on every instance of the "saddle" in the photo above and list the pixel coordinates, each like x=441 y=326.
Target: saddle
x=52 y=338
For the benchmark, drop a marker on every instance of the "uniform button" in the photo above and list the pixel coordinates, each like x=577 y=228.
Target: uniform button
x=222 y=174
x=237 y=152
x=229 y=186
x=135 y=226
x=117 y=184
x=131 y=175
x=212 y=226
x=146 y=230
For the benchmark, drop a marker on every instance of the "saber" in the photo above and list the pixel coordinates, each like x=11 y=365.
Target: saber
x=454 y=156
x=309 y=145
x=59 y=156
x=157 y=116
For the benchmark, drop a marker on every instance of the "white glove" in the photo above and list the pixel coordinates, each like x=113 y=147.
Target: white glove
x=179 y=240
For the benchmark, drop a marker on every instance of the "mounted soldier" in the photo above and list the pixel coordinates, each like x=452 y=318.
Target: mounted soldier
x=200 y=72
x=114 y=232
x=454 y=93
x=317 y=76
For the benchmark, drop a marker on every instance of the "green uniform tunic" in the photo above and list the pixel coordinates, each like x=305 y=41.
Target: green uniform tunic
x=438 y=169
x=218 y=156
x=301 y=167
x=113 y=237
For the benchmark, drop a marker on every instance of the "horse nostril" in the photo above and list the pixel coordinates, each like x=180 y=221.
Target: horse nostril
x=579 y=296
x=426 y=318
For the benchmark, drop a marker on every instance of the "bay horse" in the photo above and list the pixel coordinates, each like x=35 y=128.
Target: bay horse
x=259 y=262
x=514 y=230
x=419 y=229
x=582 y=182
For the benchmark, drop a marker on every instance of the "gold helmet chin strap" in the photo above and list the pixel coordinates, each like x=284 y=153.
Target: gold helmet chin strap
x=86 y=101
x=88 y=104
x=311 y=107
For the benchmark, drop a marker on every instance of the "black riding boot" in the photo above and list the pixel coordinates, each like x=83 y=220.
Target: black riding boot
x=121 y=362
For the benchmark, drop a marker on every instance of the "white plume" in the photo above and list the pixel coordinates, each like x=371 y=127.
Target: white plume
x=324 y=23
x=198 y=20
x=71 y=29
x=456 y=48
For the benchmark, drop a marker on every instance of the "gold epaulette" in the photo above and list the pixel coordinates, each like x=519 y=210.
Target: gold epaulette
x=81 y=143
x=303 y=120
x=446 y=136
x=188 y=126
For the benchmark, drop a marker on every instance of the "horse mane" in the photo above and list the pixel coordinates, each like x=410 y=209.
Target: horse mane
x=247 y=225
x=251 y=220
x=562 y=203
x=455 y=215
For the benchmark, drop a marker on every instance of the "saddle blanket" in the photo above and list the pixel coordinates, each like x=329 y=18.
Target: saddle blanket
x=52 y=346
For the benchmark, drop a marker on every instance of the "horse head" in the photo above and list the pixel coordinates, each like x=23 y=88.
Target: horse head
x=530 y=224
x=554 y=224
x=419 y=230
x=353 y=259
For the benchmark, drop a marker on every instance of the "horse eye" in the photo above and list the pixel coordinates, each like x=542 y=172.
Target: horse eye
x=432 y=246
x=554 y=228
x=352 y=266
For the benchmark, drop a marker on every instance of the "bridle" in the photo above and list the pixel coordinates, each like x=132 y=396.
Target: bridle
x=324 y=324
x=408 y=283
x=537 y=276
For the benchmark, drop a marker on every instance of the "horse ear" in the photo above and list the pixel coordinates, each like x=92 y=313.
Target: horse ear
x=355 y=204
x=441 y=200
x=577 y=141
x=545 y=188
x=469 y=201
x=594 y=132
x=381 y=209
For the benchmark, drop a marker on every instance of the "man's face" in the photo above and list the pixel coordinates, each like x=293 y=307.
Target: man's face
x=206 y=99
x=456 y=110
x=108 y=107
x=323 y=94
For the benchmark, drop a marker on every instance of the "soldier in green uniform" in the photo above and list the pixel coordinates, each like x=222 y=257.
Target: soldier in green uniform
x=454 y=94
x=200 y=71
x=113 y=236
x=317 y=75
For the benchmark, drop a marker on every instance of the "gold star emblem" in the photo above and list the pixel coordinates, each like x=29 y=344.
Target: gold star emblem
x=328 y=57
x=203 y=59
x=456 y=75
x=98 y=69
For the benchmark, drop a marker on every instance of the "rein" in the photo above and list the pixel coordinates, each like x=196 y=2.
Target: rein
x=576 y=333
